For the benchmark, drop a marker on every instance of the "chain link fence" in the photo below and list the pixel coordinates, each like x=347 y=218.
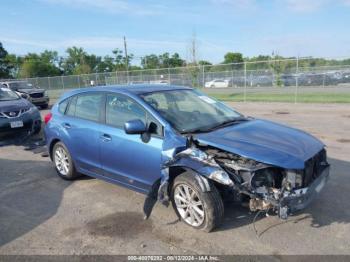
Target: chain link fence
x=288 y=80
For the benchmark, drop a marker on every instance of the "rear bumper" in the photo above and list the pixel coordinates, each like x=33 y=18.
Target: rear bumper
x=301 y=198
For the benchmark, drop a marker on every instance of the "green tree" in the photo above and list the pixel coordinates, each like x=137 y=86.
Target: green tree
x=204 y=62
x=150 y=61
x=162 y=61
x=14 y=64
x=76 y=61
x=5 y=65
x=40 y=65
x=120 y=60
x=106 y=65
x=231 y=58
x=176 y=61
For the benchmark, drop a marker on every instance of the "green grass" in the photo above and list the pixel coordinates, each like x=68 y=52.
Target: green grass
x=302 y=98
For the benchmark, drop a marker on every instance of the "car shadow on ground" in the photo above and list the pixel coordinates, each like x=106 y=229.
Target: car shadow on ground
x=34 y=143
x=25 y=201
x=332 y=205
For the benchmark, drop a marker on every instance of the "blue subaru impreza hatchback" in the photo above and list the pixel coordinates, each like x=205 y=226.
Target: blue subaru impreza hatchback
x=177 y=145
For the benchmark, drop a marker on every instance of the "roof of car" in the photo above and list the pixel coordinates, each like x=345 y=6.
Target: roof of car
x=14 y=81
x=133 y=89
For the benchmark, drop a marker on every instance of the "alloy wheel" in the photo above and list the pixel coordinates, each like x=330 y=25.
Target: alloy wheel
x=188 y=205
x=62 y=161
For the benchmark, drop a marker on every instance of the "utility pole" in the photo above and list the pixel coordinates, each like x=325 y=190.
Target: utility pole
x=145 y=59
x=126 y=60
x=296 y=81
x=193 y=48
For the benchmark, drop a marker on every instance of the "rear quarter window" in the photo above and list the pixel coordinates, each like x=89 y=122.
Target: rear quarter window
x=63 y=106
x=71 y=108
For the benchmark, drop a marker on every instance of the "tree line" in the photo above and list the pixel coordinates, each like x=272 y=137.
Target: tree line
x=77 y=61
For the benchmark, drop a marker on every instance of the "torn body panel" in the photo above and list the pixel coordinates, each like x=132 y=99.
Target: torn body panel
x=186 y=155
x=271 y=187
x=198 y=161
x=267 y=187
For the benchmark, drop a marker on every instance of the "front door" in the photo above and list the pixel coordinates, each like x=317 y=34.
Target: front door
x=125 y=158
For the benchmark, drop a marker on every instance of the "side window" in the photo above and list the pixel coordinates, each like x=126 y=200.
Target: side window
x=63 y=106
x=71 y=108
x=120 y=109
x=88 y=106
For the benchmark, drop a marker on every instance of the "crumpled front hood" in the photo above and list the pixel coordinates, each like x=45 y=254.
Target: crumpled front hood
x=266 y=142
x=14 y=105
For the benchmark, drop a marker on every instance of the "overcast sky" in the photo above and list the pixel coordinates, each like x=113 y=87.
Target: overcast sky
x=252 y=27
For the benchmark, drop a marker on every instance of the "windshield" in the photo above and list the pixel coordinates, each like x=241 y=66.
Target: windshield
x=6 y=95
x=20 y=85
x=190 y=110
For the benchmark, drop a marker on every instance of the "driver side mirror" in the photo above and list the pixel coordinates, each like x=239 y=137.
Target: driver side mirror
x=135 y=127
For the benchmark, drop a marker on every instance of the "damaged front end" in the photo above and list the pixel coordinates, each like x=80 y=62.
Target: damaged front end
x=270 y=187
x=265 y=187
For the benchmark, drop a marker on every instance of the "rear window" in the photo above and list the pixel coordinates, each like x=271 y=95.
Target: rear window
x=20 y=85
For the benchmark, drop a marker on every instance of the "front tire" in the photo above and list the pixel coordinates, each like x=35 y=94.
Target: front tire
x=200 y=210
x=63 y=162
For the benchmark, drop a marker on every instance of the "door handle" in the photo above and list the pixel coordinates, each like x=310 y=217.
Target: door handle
x=106 y=137
x=67 y=126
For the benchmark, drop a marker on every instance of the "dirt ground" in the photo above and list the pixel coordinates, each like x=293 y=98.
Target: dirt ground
x=43 y=214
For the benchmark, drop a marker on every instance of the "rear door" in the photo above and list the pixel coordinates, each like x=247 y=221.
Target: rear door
x=82 y=126
x=126 y=158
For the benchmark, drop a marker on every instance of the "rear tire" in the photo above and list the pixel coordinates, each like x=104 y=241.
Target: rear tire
x=63 y=162
x=200 y=210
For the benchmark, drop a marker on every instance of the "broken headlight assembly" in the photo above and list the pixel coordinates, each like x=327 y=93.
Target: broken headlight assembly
x=293 y=180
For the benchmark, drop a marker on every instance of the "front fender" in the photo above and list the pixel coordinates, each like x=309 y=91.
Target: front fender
x=204 y=168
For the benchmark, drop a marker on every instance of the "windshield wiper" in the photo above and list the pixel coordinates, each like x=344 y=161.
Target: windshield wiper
x=217 y=126
x=197 y=130
x=228 y=123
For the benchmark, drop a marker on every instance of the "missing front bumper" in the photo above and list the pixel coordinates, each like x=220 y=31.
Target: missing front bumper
x=301 y=198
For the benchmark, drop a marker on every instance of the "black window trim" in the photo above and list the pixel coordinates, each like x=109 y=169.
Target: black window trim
x=64 y=100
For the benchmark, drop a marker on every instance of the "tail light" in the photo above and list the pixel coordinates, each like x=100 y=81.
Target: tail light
x=47 y=117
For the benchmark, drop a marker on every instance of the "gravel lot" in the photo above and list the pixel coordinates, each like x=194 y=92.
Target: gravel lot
x=43 y=214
